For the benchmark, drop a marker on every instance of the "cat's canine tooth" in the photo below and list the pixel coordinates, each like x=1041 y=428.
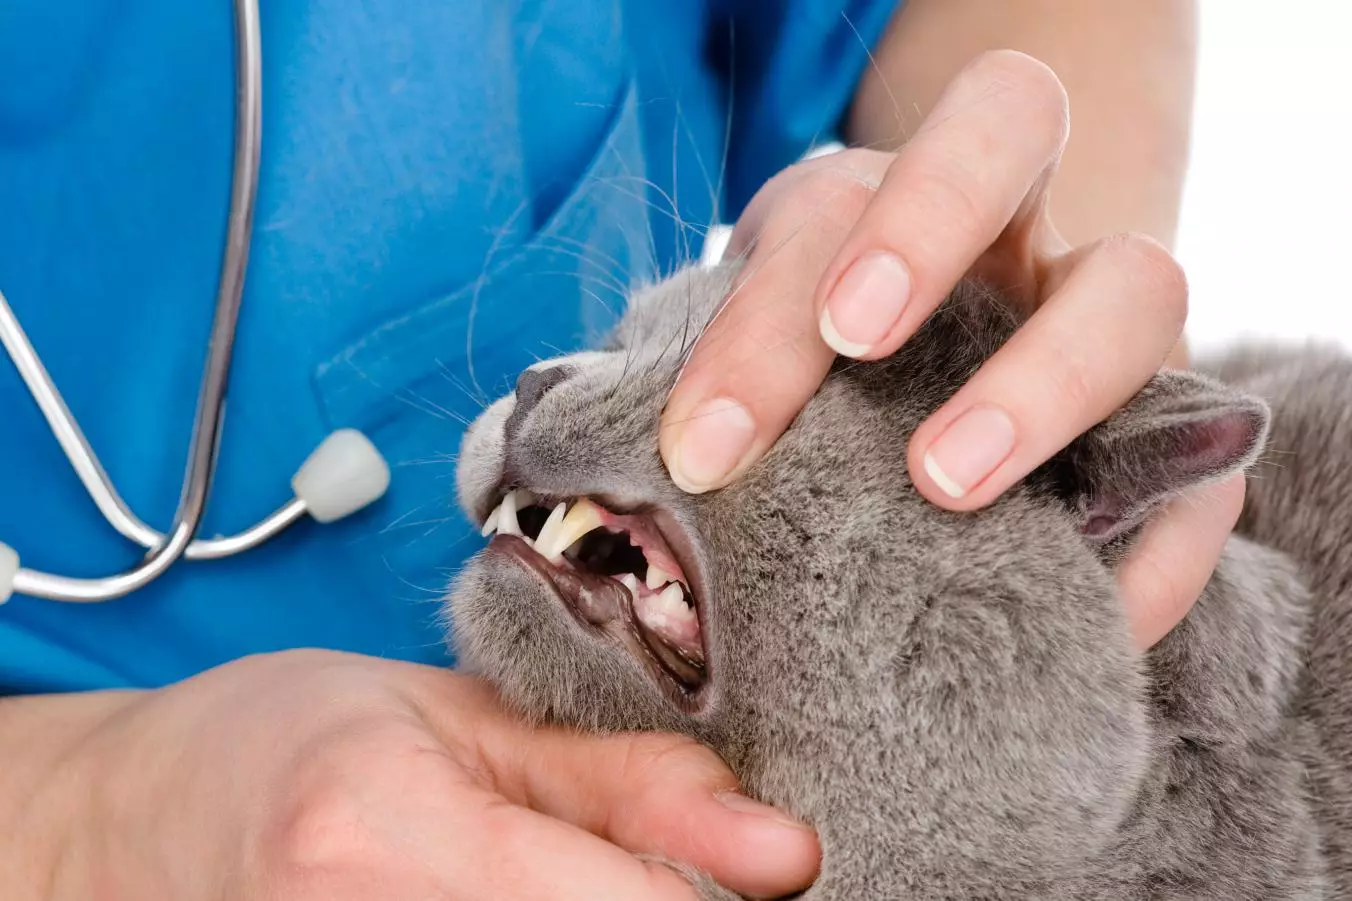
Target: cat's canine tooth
x=583 y=517
x=546 y=542
x=507 y=524
x=630 y=581
x=491 y=524
x=658 y=577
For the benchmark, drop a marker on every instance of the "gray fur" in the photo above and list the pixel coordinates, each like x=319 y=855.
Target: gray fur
x=952 y=700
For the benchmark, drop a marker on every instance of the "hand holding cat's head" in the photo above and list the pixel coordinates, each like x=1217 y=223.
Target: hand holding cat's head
x=852 y=645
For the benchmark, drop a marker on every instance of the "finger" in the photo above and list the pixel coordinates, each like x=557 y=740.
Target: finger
x=1100 y=336
x=660 y=795
x=509 y=852
x=1175 y=558
x=985 y=151
x=762 y=356
x=862 y=165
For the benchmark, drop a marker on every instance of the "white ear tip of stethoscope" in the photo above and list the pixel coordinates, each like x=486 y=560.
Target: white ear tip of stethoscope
x=344 y=474
x=9 y=571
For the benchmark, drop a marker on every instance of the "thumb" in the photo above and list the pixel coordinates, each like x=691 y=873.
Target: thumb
x=660 y=795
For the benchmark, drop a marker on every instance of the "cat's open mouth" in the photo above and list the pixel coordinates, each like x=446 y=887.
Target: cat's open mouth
x=613 y=570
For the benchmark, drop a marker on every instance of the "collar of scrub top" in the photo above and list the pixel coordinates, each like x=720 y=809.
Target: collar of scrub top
x=343 y=475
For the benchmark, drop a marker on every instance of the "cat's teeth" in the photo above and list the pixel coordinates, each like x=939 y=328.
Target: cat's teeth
x=630 y=581
x=583 y=517
x=668 y=613
x=672 y=599
x=564 y=527
x=658 y=577
x=507 y=524
x=546 y=542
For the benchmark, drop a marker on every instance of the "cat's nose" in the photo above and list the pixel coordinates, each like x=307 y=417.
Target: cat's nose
x=531 y=385
x=534 y=384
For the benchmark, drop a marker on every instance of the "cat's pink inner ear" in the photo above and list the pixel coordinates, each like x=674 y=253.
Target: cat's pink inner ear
x=1105 y=515
x=1153 y=464
x=1213 y=445
x=1101 y=525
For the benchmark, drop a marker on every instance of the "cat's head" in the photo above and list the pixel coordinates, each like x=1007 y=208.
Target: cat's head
x=851 y=650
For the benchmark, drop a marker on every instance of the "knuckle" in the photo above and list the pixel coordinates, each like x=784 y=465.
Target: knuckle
x=646 y=755
x=324 y=829
x=1077 y=389
x=1033 y=84
x=836 y=193
x=650 y=765
x=943 y=195
x=1149 y=263
x=864 y=165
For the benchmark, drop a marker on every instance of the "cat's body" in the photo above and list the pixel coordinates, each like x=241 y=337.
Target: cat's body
x=953 y=700
x=1299 y=503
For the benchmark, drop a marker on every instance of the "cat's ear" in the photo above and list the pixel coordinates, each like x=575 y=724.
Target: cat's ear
x=1180 y=431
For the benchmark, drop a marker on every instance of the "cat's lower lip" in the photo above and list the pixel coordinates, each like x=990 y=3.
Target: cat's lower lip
x=603 y=603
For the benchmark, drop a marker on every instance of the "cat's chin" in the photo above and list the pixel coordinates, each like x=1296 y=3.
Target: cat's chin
x=629 y=578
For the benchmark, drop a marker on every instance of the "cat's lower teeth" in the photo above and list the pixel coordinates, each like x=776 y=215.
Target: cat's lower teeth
x=659 y=601
x=667 y=614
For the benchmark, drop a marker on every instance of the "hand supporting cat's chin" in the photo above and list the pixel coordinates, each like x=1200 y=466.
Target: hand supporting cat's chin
x=952 y=701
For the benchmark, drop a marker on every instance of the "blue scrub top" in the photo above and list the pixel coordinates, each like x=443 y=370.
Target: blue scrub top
x=448 y=190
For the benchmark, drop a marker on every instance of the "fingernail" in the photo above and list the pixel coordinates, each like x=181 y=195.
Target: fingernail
x=713 y=440
x=970 y=449
x=742 y=804
x=865 y=304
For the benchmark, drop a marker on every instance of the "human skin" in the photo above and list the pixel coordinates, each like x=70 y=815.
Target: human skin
x=971 y=163
x=313 y=774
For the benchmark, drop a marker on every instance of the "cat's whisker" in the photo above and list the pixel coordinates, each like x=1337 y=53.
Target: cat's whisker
x=480 y=399
x=434 y=460
x=584 y=278
x=499 y=236
x=899 y=137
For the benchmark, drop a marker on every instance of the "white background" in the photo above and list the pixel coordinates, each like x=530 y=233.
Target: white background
x=1266 y=232
x=1266 y=228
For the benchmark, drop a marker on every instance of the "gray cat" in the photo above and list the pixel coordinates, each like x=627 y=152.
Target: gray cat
x=952 y=700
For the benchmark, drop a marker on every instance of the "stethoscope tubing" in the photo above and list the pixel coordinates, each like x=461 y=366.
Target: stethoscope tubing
x=164 y=550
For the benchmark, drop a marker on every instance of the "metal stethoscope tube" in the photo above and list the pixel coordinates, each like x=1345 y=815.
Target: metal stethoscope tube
x=347 y=466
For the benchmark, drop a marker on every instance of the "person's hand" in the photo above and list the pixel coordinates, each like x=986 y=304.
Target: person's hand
x=323 y=775
x=850 y=253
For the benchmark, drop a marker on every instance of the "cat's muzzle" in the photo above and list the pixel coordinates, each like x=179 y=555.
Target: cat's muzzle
x=611 y=569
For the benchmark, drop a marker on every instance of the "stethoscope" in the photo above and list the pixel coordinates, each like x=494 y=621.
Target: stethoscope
x=342 y=475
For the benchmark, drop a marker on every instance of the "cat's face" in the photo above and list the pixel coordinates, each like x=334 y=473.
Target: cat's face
x=858 y=655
